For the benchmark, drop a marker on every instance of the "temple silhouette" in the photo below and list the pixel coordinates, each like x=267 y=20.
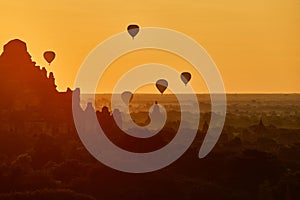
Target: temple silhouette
x=30 y=103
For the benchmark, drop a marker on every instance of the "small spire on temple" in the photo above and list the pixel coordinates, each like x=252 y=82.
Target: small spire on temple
x=261 y=124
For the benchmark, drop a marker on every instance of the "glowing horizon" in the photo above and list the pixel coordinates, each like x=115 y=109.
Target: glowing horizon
x=255 y=45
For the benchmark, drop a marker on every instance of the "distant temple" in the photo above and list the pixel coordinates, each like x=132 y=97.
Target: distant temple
x=261 y=124
x=260 y=128
x=205 y=127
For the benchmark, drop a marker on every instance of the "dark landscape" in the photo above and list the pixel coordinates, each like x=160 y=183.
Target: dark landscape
x=42 y=157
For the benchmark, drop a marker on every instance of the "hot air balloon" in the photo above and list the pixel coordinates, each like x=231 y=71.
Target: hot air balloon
x=49 y=56
x=133 y=30
x=161 y=85
x=126 y=97
x=185 y=77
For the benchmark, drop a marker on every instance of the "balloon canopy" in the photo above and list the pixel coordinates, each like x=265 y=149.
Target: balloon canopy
x=49 y=56
x=126 y=97
x=161 y=85
x=133 y=30
x=185 y=77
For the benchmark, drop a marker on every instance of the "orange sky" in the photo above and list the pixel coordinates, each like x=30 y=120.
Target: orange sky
x=255 y=44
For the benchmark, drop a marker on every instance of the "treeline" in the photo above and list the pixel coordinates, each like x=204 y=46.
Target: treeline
x=59 y=167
